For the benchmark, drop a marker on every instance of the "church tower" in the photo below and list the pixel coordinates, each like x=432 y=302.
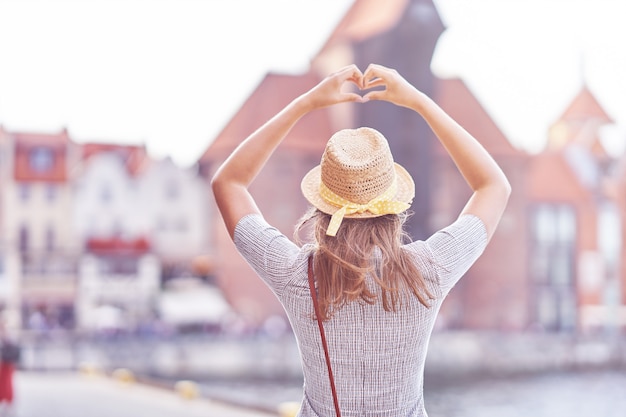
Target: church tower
x=408 y=47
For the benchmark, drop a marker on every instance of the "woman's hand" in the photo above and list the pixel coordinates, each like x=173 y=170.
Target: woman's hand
x=232 y=179
x=397 y=90
x=491 y=189
x=329 y=90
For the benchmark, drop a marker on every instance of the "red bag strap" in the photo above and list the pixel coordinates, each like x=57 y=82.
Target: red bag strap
x=323 y=335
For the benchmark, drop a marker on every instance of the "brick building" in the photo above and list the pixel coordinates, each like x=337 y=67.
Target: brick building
x=87 y=228
x=576 y=224
x=299 y=152
x=494 y=293
x=505 y=290
x=39 y=246
x=363 y=36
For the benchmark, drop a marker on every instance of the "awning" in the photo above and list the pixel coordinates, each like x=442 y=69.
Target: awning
x=199 y=305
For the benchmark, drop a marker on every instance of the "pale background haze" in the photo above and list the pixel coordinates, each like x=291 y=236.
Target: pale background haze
x=171 y=73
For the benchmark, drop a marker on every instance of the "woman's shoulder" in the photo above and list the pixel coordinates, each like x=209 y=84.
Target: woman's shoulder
x=254 y=236
x=466 y=237
x=254 y=227
x=467 y=228
x=466 y=225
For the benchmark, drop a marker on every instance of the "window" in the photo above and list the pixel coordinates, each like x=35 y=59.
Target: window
x=23 y=238
x=117 y=227
x=553 y=237
x=106 y=195
x=172 y=190
x=609 y=236
x=51 y=192
x=41 y=159
x=24 y=190
x=50 y=239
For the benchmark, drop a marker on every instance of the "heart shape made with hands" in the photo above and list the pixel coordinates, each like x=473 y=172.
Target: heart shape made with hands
x=361 y=86
x=353 y=85
x=359 y=80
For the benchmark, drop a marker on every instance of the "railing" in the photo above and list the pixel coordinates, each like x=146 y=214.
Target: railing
x=277 y=356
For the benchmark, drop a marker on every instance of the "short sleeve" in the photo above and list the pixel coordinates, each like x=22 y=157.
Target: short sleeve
x=454 y=249
x=270 y=253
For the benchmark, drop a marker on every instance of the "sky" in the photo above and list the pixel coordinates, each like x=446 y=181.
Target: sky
x=171 y=73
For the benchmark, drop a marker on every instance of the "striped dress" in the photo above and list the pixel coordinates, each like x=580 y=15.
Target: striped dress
x=377 y=356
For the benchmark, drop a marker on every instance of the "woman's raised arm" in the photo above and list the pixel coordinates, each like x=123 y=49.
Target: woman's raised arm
x=231 y=181
x=491 y=189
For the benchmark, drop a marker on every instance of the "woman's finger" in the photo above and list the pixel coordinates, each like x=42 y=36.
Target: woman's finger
x=350 y=72
x=346 y=97
x=376 y=82
x=374 y=95
x=374 y=71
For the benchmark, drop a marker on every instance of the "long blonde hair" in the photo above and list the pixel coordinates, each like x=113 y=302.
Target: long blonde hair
x=341 y=263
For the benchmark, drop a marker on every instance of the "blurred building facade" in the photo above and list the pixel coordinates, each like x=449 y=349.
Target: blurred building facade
x=90 y=231
x=93 y=234
x=576 y=223
x=528 y=278
x=39 y=245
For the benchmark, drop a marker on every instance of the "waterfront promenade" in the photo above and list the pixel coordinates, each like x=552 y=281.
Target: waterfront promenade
x=562 y=394
x=467 y=375
x=72 y=394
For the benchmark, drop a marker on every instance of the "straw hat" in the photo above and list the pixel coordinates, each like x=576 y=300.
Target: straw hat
x=357 y=178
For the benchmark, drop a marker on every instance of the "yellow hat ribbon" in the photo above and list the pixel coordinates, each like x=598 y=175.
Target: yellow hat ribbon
x=383 y=204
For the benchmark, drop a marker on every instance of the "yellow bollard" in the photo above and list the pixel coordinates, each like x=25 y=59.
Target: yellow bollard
x=187 y=389
x=123 y=375
x=288 y=409
x=88 y=369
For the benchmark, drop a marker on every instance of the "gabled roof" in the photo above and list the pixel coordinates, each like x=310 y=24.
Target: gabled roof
x=40 y=156
x=273 y=93
x=585 y=106
x=571 y=168
x=134 y=157
x=32 y=139
x=580 y=124
x=455 y=98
